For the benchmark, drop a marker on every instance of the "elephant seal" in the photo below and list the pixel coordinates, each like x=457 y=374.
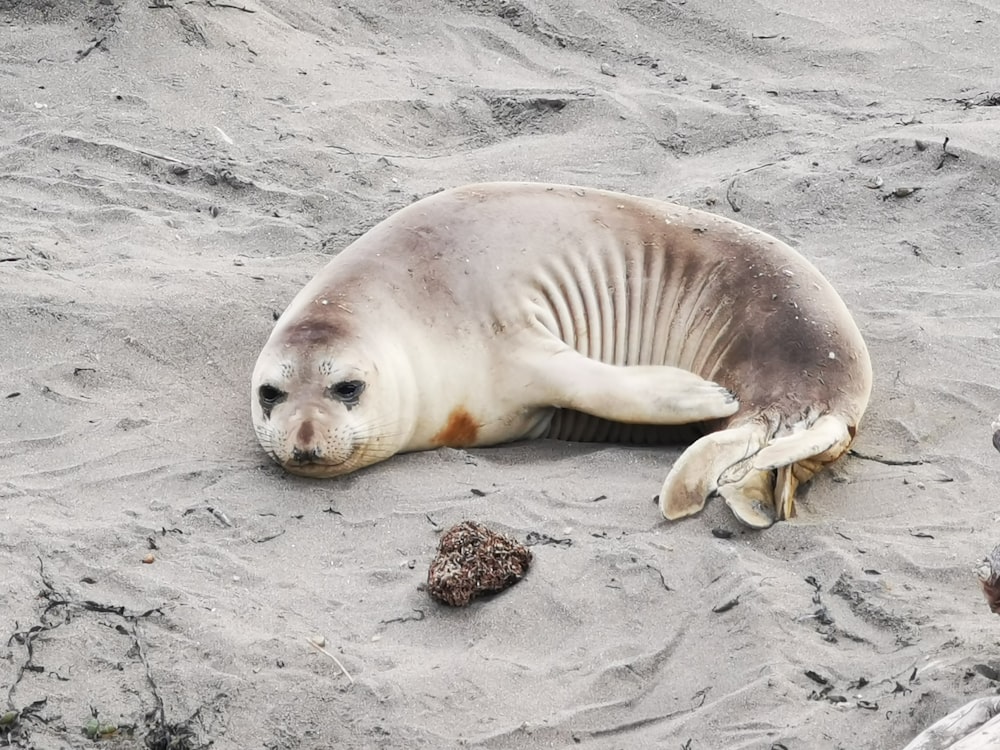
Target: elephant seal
x=506 y=311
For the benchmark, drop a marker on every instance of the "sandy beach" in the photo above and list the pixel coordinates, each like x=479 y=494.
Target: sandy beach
x=172 y=173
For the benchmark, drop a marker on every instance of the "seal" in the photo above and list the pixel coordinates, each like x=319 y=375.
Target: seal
x=506 y=311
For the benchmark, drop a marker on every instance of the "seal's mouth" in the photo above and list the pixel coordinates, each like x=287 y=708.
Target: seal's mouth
x=317 y=468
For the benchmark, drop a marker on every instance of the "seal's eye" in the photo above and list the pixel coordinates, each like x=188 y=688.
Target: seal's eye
x=269 y=395
x=347 y=391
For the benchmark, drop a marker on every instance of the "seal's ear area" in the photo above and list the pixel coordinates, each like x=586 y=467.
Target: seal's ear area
x=708 y=462
x=825 y=440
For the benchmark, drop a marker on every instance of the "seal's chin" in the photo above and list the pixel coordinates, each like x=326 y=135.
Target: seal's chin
x=318 y=469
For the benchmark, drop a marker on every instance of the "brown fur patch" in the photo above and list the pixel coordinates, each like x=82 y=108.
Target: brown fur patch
x=313 y=328
x=312 y=332
x=460 y=432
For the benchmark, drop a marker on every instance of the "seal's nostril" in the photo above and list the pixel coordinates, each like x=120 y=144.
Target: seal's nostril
x=305 y=456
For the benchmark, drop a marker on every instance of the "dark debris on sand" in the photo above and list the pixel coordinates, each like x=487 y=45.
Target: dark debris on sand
x=473 y=560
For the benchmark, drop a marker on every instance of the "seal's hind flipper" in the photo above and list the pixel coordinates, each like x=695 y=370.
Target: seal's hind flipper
x=751 y=498
x=697 y=473
x=825 y=439
x=765 y=493
x=728 y=463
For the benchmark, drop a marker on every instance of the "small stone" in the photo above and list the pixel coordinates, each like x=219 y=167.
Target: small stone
x=606 y=70
x=149 y=559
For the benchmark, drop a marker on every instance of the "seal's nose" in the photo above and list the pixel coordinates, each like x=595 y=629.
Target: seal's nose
x=305 y=456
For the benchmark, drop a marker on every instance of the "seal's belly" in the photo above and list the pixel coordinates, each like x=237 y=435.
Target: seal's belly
x=566 y=424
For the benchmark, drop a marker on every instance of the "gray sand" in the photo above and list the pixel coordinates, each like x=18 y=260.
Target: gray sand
x=170 y=177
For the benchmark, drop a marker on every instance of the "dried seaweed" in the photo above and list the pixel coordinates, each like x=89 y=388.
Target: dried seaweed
x=473 y=560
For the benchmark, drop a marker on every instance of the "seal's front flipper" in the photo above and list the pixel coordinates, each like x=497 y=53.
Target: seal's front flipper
x=640 y=394
x=700 y=470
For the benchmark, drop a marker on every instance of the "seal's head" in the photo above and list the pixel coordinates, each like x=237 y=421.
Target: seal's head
x=312 y=396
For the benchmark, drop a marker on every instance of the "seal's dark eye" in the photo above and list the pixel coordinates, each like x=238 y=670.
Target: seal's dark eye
x=347 y=391
x=269 y=395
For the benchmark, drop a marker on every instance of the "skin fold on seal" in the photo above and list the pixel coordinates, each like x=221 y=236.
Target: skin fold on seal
x=507 y=311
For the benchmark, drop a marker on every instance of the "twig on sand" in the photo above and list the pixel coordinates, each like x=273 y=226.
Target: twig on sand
x=729 y=196
x=984 y=99
x=945 y=154
x=336 y=661
x=759 y=166
x=662 y=579
x=158 y=4
x=93 y=45
x=887 y=461
x=409 y=618
x=227 y=5
x=153 y=155
x=733 y=204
